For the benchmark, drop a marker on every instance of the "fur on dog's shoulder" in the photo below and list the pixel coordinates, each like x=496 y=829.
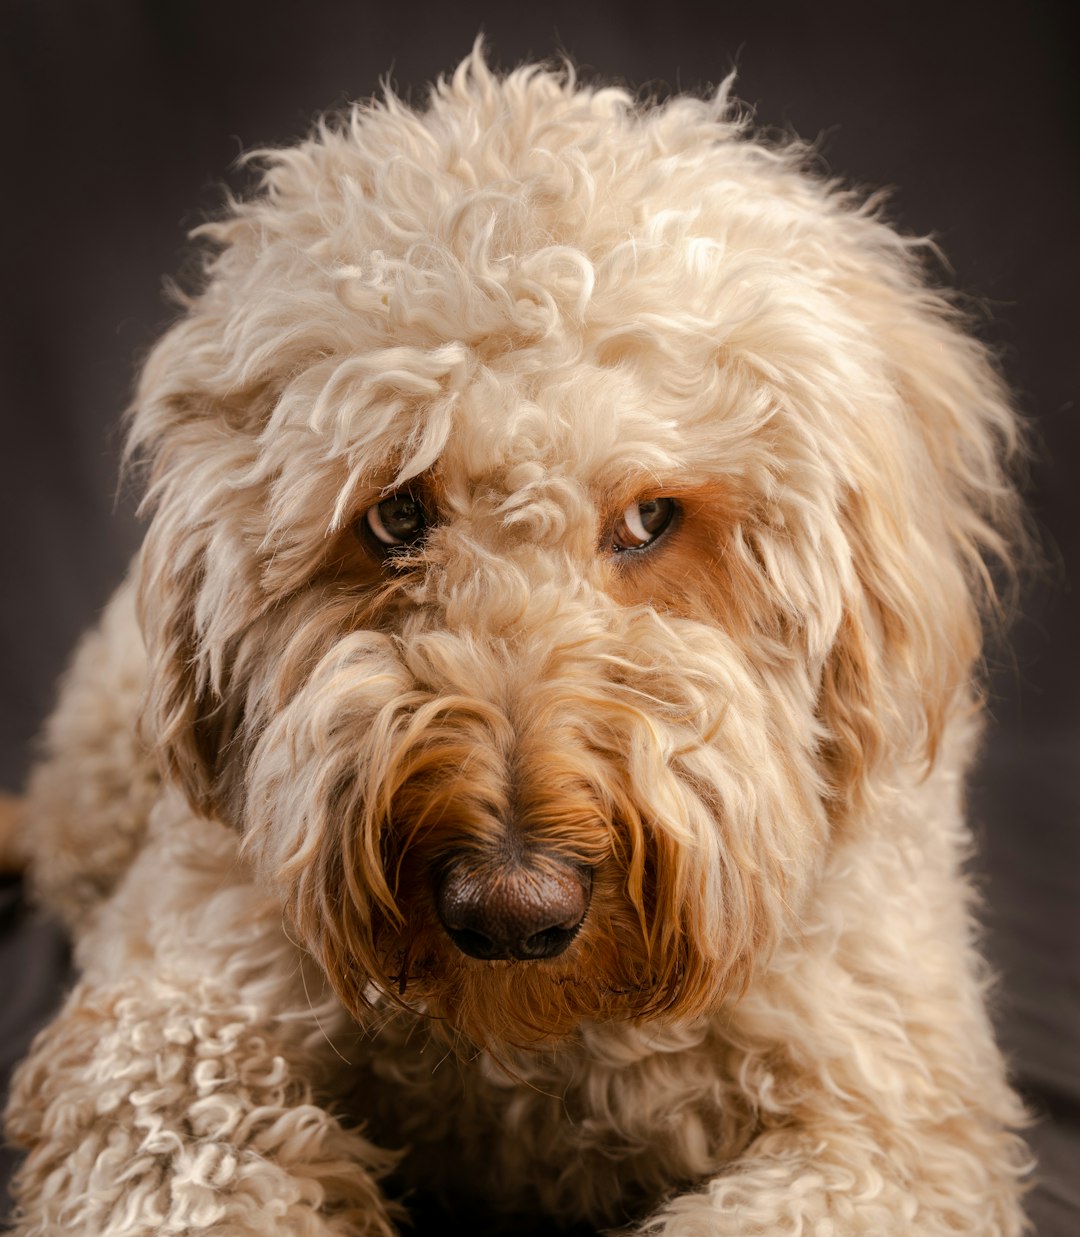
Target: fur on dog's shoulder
x=91 y=790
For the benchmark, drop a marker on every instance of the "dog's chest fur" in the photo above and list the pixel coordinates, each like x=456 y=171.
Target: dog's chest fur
x=596 y=1131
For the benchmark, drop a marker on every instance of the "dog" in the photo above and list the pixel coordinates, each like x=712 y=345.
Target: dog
x=524 y=768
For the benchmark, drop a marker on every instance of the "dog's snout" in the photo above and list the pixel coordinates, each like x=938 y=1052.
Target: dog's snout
x=523 y=911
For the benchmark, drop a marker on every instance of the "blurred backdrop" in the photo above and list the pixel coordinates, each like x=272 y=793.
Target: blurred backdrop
x=123 y=120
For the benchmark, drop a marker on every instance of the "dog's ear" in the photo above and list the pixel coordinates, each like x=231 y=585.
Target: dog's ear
x=182 y=712
x=196 y=443
x=930 y=515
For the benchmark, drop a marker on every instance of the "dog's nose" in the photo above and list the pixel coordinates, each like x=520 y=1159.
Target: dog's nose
x=520 y=910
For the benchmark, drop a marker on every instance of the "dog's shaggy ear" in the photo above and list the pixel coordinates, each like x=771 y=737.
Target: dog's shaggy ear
x=197 y=582
x=932 y=517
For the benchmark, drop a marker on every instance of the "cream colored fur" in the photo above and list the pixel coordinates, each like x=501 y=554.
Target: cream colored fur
x=536 y=305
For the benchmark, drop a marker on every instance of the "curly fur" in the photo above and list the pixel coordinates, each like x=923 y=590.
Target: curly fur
x=535 y=304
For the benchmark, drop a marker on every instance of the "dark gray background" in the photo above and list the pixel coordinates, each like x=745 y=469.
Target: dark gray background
x=122 y=118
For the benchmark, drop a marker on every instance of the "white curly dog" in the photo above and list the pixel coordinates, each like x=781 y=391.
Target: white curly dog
x=554 y=640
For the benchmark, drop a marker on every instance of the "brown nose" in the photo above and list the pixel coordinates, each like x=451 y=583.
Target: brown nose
x=517 y=910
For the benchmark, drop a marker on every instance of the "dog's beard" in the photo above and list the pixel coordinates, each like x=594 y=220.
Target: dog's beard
x=388 y=759
x=632 y=956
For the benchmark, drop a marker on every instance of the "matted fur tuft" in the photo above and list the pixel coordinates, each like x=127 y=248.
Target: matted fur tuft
x=528 y=309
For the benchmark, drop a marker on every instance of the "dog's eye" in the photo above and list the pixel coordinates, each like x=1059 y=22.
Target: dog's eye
x=643 y=522
x=397 y=521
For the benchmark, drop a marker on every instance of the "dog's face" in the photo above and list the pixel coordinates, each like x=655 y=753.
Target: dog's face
x=563 y=521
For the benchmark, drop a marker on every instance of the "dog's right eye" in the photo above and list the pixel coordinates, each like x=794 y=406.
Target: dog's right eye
x=397 y=521
x=642 y=523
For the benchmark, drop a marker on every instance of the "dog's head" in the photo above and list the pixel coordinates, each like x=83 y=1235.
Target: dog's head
x=568 y=517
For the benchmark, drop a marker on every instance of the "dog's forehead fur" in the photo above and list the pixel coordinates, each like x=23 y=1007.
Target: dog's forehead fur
x=483 y=278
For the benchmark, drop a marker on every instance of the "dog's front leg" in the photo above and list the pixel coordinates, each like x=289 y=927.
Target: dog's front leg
x=176 y=1093
x=153 y=1110
x=831 y=1184
x=881 y=1112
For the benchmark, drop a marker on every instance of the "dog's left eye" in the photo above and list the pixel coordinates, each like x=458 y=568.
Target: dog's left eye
x=643 y=522
x=397 y=521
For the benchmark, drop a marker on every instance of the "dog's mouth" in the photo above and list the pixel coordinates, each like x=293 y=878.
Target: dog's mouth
x=519 y=1003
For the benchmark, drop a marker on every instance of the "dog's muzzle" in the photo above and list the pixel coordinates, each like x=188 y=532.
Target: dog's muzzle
x=522 y=909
